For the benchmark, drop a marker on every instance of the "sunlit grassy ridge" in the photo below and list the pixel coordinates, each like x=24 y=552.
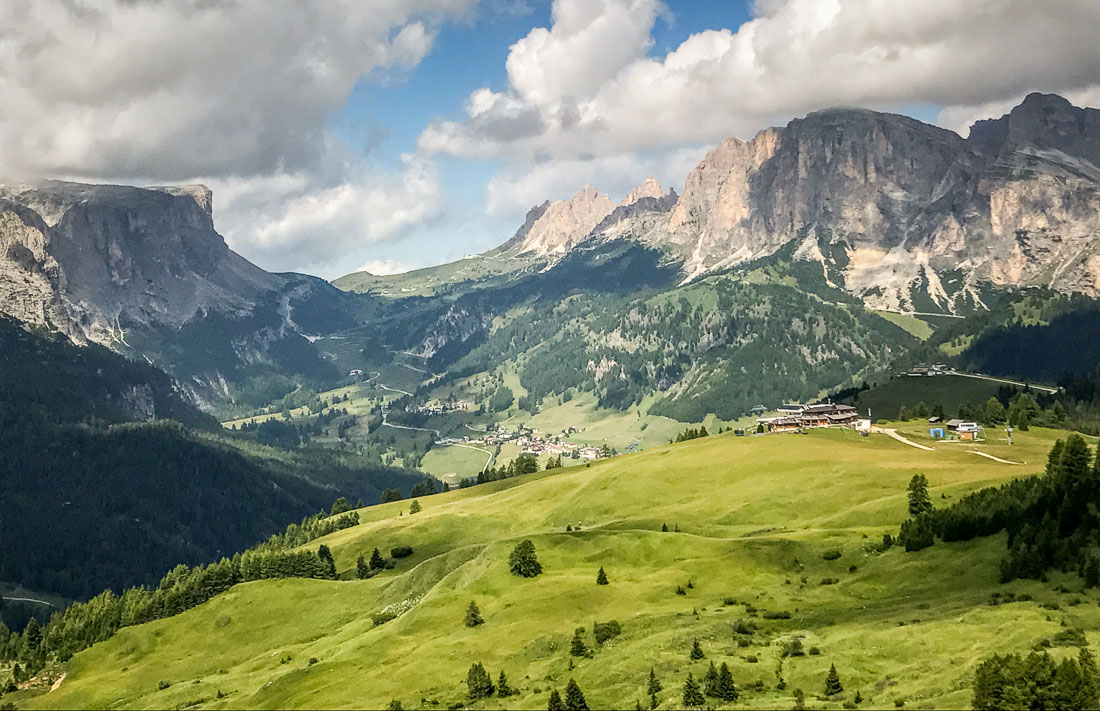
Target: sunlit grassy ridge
x=755 y=516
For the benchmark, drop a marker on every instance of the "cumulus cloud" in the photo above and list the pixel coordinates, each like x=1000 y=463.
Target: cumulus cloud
x=794 y=56
x=176 y=88
x=294 y=223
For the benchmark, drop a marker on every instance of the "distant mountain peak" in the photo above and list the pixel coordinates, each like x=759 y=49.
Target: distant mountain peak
x=564 y=223
x=649 y=188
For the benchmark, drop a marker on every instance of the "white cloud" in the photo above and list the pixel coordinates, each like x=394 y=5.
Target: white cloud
x=170 y=89
x=385 y=267
x=795 y=56
x=294 y=222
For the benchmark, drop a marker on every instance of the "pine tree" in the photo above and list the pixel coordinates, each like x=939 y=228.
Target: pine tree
x=664 y=528
x=693 y=697
x=710 y=681
x=577 y=648
x=726 y=690
x=503 y=690
x=654 y=683
x=554 y=703
x=414 y=507
x=832 y=682
x=362 y=570
x=395 y=705
x=574 y=697
x=919 y=501
x=696 y=651
x=326 y=557
x=601 y=577
x=858 y=697
x=522 y=561
x=473 y=615
x=32 y=634
x=1092 y=572
x=478 y=683
x=376 y=560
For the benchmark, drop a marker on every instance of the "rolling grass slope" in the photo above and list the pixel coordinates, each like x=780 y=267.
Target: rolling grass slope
x=751 y=520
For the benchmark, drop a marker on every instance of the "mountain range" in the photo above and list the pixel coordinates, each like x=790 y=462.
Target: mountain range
x=867 y=208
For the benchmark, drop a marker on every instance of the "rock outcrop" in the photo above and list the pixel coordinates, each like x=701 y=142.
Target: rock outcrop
x=906 y=215
x=106 y=263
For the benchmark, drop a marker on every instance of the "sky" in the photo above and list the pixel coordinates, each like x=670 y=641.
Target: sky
x=396 y=134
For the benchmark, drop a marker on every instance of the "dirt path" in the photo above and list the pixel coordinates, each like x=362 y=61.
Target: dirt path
x=57 y=683
x=894 y=433
x=990 y=456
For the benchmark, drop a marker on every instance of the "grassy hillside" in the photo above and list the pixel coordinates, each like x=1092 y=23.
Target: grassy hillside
x=751 y=522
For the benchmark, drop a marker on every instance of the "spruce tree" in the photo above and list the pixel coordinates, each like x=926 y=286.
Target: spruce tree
x=832 y=682
x=522 y=561
x=1092 y=572
x=664 y=528
x=554 y=703
x=326 y=558
x=473 y=616
x=710 y=681
x=577 y=648
x=919 y=501
x=32 y=634
x=478 y=682
x=574 y=697
x=361 y=568
x=376 y=560
x=395 y=705
x=726 y=689
x=693 y=697
x=654 y=683
x=696 y=651
x=414 y=507
x=858 y=698
x=503 y=690
x=601 y=577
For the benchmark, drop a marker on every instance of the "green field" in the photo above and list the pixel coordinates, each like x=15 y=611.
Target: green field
x=950 y=391
x=914 y=325
x=750 y=519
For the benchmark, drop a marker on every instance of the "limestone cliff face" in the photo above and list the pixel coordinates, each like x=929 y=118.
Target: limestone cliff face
x=566 y=223
x=901 y=212
x=109 y=263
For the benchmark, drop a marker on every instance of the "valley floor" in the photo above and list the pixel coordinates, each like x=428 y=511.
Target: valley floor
x=770 y=539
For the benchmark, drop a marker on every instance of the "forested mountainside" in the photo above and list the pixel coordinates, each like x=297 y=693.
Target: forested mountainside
x=102 y=486
x=610 y=319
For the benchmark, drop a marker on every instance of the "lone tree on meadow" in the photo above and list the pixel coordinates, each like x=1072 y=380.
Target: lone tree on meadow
x=414 y=507
x=601 y=577
x=832 y=682
x=919 y=501
x=654 y=687
x=362 y=570
x=376 y=560
x=693 y=697
x=574 y=697
x=473 y=616
x=478 y=683
x=696 y=651
x=522 y=561
x=577 y=647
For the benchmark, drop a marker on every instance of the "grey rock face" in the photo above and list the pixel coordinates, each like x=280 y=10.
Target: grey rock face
x=904 y=214
x=128 y=255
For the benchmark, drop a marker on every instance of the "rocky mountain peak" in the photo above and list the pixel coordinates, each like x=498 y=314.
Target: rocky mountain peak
x=650 y=188
x=565 y=223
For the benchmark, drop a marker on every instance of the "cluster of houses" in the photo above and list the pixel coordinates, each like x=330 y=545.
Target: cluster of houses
x=442 y=408
x=531 y=441
x=794 y=416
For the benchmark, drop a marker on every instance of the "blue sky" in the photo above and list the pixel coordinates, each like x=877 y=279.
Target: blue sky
x=404 y=133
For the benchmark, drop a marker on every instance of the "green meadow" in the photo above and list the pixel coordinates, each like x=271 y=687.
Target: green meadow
x=776 y=536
